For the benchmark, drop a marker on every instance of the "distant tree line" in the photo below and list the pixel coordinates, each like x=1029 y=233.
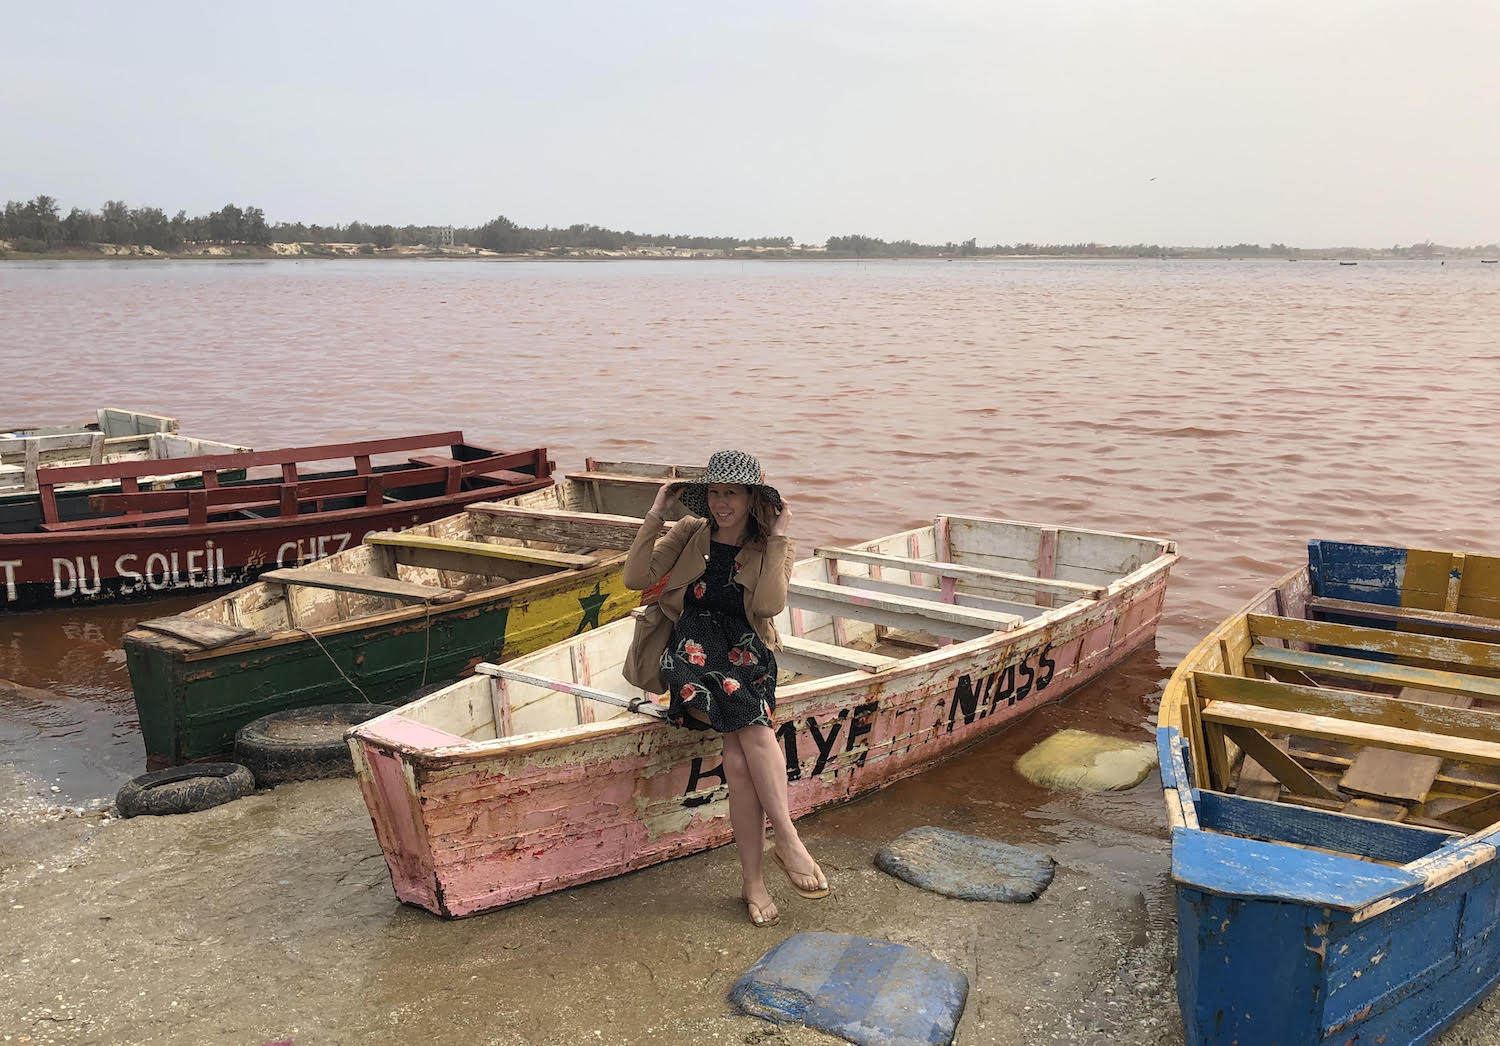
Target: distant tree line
x=38 y=226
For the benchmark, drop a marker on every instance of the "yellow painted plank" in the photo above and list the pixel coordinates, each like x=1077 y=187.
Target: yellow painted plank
x=1305 y=724
x=1442 y=649
x=1351 y=706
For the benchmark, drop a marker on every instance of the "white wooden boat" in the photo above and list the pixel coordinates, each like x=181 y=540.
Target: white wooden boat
x=552 y=771
x=114 y=435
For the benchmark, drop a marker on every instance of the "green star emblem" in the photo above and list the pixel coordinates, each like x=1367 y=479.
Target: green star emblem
x=591 y=606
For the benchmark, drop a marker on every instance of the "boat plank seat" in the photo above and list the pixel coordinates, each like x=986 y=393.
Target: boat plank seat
x=938 y=595
x=828 y=653
x=622 y=478
x=1384 y=672
x=1411 y=619
x=200 y=634
x=1306 y=724
x=1412 y=646
x=976 y=575
x=1348 y=716
x=364 y=584
x=583 y=529
x=1402 y=777
x=514 y=553
x=919 y=615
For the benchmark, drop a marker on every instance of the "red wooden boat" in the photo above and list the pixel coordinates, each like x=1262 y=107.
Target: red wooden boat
x=67 y=546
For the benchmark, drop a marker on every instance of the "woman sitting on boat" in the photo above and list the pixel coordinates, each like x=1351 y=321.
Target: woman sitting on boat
x=721 y=575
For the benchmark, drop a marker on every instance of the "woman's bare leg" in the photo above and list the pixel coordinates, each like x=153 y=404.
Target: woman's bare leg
x=767 y=769
x=748 y=818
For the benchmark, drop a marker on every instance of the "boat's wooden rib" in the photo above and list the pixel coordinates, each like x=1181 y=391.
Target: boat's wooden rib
x=1374 y=672
x=364 y=584
x=1281 y=767
x=1013 y=584
x=1410 y=645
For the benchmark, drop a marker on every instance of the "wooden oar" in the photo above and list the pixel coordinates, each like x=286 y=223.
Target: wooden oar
x=643 y=705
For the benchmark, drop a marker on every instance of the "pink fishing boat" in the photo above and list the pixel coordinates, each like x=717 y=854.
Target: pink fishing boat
x=551 y=770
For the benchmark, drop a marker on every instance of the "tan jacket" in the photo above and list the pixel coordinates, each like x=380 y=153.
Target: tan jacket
x=765 y=567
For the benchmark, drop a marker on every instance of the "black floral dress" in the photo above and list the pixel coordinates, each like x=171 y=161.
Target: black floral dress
x=715 y=664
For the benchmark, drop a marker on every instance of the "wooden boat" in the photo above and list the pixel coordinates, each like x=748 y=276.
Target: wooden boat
x=1331 y=763
x=114 y=435
x=65 y=546
x=379 y=620
x=552 y=771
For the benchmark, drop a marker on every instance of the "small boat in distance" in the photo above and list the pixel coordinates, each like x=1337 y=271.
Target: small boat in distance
x=398 y=612
x=113 y=435
x=551 y=770
x=68 y=543
x=1348 y=263
x=1330 y=759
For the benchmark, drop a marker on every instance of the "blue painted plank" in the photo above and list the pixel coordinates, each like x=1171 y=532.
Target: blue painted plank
x=866 y=991
x=965 y=866
x=1306 y=826
x=1367 y=573
x=1250 y=868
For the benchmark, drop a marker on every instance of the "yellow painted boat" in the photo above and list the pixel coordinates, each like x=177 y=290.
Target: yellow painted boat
x=401 y=611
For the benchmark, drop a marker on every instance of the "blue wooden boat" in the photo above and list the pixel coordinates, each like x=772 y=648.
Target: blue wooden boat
x=1331 y=767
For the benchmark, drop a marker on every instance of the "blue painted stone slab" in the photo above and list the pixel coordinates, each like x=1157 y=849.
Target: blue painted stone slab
x=865 y=991
x=964 y=866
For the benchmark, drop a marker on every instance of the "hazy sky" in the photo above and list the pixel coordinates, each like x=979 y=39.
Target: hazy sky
x=1203 y=122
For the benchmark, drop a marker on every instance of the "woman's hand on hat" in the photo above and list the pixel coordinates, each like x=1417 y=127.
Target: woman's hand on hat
x=665 y=495
x=783 y=518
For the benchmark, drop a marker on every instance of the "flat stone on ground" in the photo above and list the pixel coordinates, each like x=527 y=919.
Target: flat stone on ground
x=965 y=866
x=866 y=991
x=1087 y=762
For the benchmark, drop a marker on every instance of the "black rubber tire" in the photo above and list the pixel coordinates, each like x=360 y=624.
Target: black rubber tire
x=184 y=789
x=301 y=744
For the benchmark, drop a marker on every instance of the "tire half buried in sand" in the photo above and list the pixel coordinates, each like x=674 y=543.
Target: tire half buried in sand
x=301 y=744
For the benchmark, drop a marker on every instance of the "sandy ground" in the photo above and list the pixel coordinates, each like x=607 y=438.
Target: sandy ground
x=273 y=918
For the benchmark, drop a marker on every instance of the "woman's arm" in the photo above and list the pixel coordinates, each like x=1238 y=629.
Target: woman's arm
x=649 y=560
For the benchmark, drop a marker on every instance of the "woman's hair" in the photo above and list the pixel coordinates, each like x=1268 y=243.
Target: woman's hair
x=762 y=514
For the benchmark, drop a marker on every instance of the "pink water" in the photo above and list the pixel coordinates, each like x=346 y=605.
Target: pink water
x=1239 y=408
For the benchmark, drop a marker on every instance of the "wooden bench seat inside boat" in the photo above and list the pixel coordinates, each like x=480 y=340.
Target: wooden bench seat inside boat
x=1476 y=657
x=921 y=615
x=795 y=650
x=946 y=594
x=364 y=584
x=1004 y=580
x=583 y=529
x=1382 y=672
x=403 y=542
x=1347 y=716
x=620 y=477
x=1408 y=619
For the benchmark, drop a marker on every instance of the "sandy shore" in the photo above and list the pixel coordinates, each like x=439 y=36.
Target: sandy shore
x=273 y=918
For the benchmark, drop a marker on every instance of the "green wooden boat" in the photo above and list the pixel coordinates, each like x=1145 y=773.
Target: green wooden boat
x=399 y=612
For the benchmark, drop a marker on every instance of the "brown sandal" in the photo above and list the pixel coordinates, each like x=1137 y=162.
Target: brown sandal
x=822 y=889
x=757 y=914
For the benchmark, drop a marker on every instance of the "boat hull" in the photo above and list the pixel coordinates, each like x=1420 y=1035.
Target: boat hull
x=470 y=827
x=191 y=704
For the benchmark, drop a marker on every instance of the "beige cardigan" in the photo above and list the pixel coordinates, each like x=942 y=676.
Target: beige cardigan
x=679 y=559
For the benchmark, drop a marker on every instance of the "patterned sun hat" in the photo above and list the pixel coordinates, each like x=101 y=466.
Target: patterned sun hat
x=727 y=466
